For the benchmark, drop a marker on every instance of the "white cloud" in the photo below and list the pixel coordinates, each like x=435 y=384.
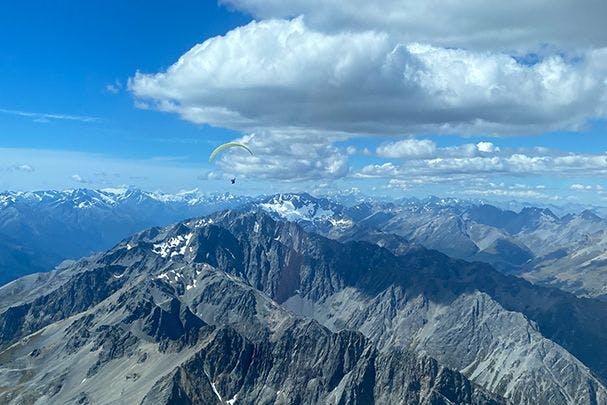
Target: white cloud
x=380 y=170
x=46 y=117
x=484 y=188
x=18 y=168
x=142 y=105
x=487 y=147
x=399 y=184
x=280 y=74
x=114 y=87
x=507 y=193
x=290 y=156
x=407 y=148
x=77 y=178
x=319 y=72
x=416 y=149
x=473 y=24
x=517 y=164
x=582 y=187
x=25 y=168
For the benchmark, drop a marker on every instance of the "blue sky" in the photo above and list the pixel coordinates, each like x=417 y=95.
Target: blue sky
x=59 y=58
x=92 y=95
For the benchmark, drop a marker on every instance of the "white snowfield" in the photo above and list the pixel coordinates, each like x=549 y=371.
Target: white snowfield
x=174 y=246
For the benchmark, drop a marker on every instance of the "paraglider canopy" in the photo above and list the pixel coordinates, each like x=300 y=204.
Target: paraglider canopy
x=226 y=146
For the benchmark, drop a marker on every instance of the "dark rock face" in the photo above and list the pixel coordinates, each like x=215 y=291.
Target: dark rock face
x=240 y=308
x=310 y=365
x=112 y=342
x=78 y=294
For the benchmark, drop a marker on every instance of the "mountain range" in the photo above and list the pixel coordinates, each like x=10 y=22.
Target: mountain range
x=38 y=230
x=567 y=252
x=238 y=307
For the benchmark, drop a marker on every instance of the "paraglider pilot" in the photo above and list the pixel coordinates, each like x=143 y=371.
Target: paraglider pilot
x=226 y=146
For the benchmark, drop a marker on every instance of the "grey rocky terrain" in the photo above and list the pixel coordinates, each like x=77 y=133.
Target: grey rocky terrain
x=565 y=251
x=240 y=308
x=141 y=324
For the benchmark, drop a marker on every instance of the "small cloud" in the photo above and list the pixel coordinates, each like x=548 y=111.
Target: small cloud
x=210 y=175
x=142 y=105
x=77 y=178
x=110 y=88
x=17 y=168
x=507 y=193
x=487 y=147
x=46 y=117
x=25 y=168
x=407 y=148
x=580 y=187
x=351 y=150
x=113 y=88
x=398 y=184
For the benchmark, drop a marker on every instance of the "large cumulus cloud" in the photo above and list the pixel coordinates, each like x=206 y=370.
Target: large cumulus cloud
x=282 y=74
x=314 y=72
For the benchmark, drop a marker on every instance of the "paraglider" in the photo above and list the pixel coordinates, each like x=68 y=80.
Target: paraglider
x=226 y=146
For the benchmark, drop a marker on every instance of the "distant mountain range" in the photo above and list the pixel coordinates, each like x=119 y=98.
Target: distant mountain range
x=38 y=230
x=238 y=307
x=568 y=252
